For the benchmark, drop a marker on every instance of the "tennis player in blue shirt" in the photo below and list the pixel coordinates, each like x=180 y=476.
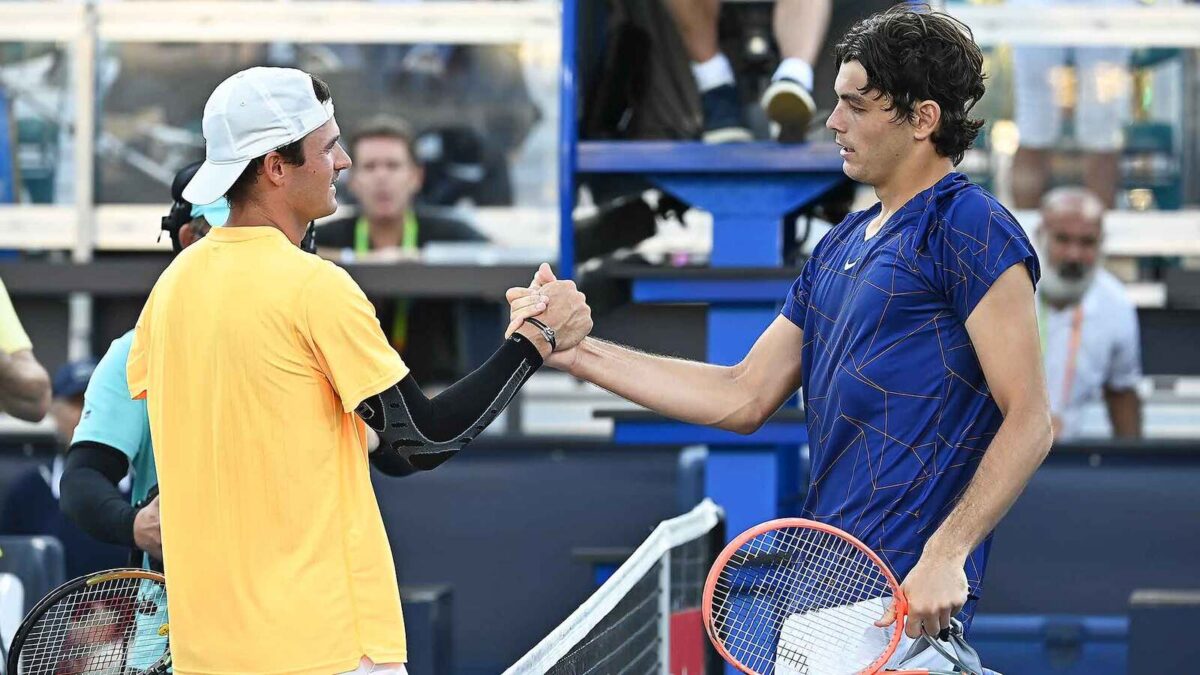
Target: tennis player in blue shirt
x=912 y=329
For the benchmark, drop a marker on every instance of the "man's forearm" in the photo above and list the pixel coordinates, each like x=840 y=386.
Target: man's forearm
x=91 y=497
x=1014 y=455
x=1124 y=412
x=416 y=433
x=24 y=386
x=699 y=393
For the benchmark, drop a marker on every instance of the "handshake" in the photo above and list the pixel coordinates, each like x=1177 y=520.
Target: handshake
x=560 y=306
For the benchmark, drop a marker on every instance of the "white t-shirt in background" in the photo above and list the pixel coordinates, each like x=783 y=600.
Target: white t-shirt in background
x=1109 y=353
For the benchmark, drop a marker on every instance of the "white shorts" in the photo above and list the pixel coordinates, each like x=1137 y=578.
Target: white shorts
x=368 y=666
x=1103 y=91
x=929 y=659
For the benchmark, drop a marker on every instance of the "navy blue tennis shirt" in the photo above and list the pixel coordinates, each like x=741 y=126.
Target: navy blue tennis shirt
x=899 y=412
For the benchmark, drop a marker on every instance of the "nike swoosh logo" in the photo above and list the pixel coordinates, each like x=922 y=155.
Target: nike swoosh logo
x=849 y=265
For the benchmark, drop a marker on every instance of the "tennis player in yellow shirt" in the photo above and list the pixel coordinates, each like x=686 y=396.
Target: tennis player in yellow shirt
x=262 y=367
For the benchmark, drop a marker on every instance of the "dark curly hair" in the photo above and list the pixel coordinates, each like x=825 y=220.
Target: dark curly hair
x=914 y=54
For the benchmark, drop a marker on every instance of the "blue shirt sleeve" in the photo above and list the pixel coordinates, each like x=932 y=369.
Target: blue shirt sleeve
x=109 y=415
x=971 y=245
x=795 y=305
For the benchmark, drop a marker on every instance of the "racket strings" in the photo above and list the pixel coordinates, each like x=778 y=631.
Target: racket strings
x=801 y=600
x=111 y=627
x=765 y=621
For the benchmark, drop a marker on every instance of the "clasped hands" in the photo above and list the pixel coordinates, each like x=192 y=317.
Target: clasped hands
x=559 y=305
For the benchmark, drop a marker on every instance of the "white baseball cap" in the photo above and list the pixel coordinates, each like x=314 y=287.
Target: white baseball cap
x=248 y=115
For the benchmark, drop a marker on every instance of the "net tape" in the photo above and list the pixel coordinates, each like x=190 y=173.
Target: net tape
x=574 y=634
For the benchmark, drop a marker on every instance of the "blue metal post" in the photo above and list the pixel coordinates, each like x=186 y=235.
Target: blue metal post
x=753 y=482
x=567 y=139
x=747 y=188
x=743 y=479
x=8 y=169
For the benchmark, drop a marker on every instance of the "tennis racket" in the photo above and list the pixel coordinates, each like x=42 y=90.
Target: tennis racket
x=797 y=597
x=108 y=623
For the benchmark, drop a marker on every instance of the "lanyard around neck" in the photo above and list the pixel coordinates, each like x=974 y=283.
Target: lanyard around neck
x=362 y=244
x=1072 y=349
x=362 y=233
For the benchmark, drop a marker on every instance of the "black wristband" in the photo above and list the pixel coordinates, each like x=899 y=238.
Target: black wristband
x=547 y=332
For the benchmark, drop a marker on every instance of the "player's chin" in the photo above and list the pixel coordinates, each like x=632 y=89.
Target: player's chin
x=328 y=208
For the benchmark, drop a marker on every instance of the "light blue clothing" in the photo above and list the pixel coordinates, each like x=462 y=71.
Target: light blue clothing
x=112 y=418
x=216 y=213
x=148 y=643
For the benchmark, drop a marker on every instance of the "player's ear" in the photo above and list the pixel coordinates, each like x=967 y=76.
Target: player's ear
x=187 y=235
x=273 y=167
x=926 y=117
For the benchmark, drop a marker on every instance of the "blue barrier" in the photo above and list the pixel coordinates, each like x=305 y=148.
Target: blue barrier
x=1052 y=644
x=1160 y=631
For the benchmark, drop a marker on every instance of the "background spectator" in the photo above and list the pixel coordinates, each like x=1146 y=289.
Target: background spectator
x=1089 y=326
x=24 y=383
x=389 y=226
x=1101 y=103
x=800 y=27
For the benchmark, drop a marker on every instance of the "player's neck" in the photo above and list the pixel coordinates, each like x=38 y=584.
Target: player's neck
x=258 y=214
x=909 y=181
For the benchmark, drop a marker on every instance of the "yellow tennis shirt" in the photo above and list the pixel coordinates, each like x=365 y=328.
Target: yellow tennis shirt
x=252 y=355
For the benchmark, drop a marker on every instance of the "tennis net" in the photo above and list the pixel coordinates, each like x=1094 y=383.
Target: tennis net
x=646 y=617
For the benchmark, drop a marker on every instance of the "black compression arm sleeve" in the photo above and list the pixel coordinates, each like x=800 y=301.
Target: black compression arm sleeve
x=90 y=496
x=453 y=417
x=455 y=410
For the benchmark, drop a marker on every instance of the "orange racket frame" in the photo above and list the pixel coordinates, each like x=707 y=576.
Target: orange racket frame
x=901 y=603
